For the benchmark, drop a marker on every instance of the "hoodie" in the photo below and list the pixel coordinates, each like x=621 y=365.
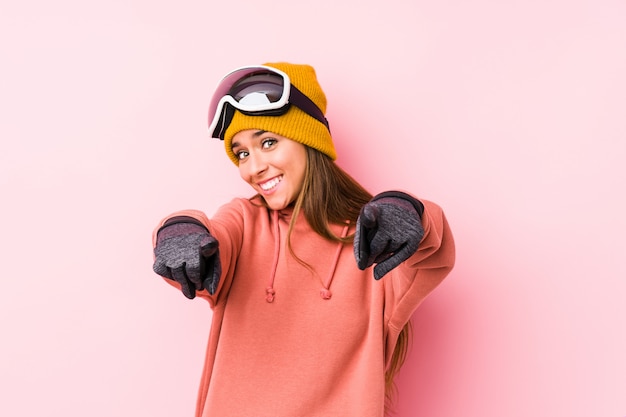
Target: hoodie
x=313 y=338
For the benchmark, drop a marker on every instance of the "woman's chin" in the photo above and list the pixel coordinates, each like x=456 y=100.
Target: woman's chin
x=276 y=204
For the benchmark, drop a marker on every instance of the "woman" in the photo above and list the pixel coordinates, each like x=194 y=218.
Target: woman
x=302 y=324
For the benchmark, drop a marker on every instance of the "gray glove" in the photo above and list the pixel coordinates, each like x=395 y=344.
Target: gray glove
x=388 y=231
x=186 y=252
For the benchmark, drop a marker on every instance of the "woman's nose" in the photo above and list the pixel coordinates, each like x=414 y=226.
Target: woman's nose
x=257 y=163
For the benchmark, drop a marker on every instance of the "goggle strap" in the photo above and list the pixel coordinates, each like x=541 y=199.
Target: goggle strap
x=227 y=114
x=301 y=101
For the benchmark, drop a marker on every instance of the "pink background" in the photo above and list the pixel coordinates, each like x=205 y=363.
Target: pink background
x=511 y=115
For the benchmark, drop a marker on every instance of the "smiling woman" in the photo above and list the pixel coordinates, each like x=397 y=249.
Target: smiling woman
x=303 y=322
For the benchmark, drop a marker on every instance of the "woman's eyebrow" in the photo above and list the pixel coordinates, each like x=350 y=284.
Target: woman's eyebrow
x=258 y=133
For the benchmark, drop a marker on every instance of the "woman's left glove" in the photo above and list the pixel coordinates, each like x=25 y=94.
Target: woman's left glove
x=388 y=231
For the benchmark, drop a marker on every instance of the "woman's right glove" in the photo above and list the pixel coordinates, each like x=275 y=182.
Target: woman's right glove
x=186 y=252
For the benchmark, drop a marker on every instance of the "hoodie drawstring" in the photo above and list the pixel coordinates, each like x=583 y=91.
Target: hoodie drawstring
x=325 y=292
x=269 y=291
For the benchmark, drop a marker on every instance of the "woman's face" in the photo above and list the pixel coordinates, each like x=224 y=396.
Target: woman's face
x=273 y=165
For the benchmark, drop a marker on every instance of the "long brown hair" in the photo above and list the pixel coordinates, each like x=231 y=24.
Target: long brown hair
x=330 y=195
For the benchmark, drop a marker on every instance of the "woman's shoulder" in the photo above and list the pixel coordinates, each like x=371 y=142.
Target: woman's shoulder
x=244 y=207
x=240 y=216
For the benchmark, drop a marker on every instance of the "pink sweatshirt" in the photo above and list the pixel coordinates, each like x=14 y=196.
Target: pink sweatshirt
x=318 y=341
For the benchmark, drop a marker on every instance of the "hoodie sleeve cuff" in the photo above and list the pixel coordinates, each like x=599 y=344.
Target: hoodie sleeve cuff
x=419 y=207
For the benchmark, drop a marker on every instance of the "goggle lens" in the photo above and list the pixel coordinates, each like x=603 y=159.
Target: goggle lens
x=258 y=89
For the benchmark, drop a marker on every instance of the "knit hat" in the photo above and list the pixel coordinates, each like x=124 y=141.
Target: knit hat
x=295 y=124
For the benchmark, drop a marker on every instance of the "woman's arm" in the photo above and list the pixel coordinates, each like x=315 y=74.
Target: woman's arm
x=199 y=248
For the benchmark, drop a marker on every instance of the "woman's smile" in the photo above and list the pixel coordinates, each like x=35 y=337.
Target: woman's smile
x=270 y=185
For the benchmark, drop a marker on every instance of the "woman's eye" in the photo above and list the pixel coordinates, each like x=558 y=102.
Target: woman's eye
x=268 y=143
x=241 y=154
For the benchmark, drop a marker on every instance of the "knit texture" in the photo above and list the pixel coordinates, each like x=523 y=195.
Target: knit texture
x=295 y=124
x=185 y=252
x=389 y=230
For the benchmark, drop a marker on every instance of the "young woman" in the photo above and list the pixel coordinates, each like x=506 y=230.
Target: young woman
x=312 y=281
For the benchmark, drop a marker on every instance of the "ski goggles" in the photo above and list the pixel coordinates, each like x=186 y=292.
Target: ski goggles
x=256 y=91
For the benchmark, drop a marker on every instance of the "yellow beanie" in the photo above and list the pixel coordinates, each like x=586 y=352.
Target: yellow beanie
x=294 y=124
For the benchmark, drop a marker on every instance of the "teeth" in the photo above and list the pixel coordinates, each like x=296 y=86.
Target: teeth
x=266 y=186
